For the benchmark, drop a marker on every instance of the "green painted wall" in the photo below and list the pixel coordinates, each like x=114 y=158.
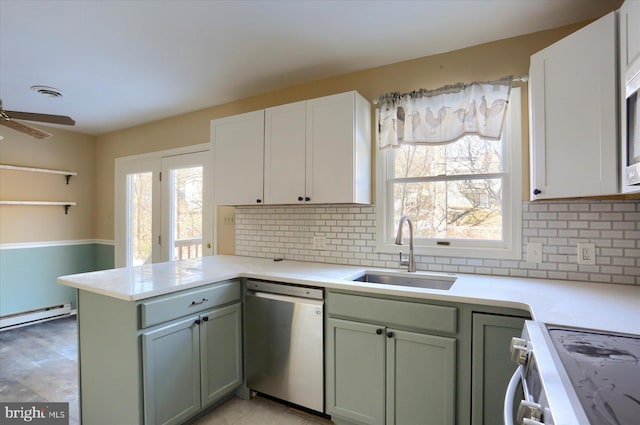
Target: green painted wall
x=28 y=275
x=104 y=256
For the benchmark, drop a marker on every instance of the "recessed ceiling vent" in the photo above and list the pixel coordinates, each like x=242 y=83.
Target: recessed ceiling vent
x=47 y=91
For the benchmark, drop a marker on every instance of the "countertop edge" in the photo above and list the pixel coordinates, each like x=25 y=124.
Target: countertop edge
x=608 y=307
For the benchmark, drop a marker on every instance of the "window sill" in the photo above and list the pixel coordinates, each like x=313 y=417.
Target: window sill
x=514 y=253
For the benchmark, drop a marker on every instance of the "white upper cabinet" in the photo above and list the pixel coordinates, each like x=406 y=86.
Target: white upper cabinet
x=338 y=149
x=238 y=159
x=630 y=38
x=315 y=151
x=573 y=106
x=629 y=23
x=284 y=154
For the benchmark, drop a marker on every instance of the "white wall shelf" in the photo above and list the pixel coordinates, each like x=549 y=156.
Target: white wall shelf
x=65 y=204
x=65 y=173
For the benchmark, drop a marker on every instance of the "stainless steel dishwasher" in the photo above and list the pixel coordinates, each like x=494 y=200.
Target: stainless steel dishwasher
x=284 y=342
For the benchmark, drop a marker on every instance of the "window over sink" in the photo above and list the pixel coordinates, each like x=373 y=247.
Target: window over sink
x=464 y=198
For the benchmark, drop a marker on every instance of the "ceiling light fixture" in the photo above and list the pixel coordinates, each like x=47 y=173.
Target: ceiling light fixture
x=47 y=91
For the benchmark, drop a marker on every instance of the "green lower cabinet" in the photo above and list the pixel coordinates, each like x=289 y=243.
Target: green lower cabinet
x=420 y=379
x=191 y=363
x=171 y=368
x=378 y=375
x=491 y=365
x=220 y=353
x=356 y=371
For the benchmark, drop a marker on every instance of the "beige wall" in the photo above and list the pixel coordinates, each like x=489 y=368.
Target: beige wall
x=64 y=151
x=94 y=157
x=484 y=62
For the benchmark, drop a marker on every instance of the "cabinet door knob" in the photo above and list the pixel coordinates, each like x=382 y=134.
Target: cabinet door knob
x=389 y=334
x=300 y=198
x=537 y=191
x=205 y=318
x=197 y=321
x=306 y=198
x=378 y=331
x=258 y=201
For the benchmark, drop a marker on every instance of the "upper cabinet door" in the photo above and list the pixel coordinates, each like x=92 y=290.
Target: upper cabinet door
x=629 y=24
x=338 y=149
x=284 y=154
x=573 y=114
x=630 y=38
x=238 y=159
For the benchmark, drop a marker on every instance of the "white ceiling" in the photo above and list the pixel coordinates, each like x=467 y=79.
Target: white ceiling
x=123 y=63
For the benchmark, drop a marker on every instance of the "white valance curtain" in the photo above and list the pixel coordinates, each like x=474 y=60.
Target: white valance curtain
x=443 y=115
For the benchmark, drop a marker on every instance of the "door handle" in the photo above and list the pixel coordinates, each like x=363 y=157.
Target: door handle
x=507 y=412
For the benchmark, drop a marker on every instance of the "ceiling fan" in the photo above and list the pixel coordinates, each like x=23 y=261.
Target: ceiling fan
x=8 y=118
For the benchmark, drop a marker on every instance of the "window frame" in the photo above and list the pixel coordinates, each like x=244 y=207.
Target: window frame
x=508 y=249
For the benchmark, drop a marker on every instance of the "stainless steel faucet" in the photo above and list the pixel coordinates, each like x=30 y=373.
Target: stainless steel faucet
x=409 y=262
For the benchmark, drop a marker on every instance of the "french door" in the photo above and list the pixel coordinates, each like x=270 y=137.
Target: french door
x=163 y=208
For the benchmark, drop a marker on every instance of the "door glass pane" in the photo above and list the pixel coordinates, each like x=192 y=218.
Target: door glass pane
x=186 y=212
x=140 y=219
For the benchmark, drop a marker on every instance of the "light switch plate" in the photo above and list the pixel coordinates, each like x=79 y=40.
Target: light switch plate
x=534 y=252
x=229 y=219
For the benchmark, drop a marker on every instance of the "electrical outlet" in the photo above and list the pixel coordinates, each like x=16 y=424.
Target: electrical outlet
x=586 y=253
x=319 y=242
x=534 y=252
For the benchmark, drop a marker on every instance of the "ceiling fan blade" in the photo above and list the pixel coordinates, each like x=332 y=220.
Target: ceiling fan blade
x=26 y=129
x=30 y=116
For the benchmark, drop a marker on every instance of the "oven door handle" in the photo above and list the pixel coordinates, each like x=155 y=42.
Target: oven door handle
x=510 y=396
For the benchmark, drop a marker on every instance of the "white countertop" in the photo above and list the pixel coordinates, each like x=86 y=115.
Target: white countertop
x=590 y=305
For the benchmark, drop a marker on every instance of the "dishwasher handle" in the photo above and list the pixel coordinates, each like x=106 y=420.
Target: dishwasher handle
x=284 y=289
x=285 y=298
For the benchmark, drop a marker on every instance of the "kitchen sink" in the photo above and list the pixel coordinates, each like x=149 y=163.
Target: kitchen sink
x=406 y=279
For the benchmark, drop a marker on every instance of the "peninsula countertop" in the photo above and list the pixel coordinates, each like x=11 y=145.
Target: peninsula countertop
x=607 y=307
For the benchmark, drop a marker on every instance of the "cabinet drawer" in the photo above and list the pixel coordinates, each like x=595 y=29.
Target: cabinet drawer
x=170 y=307
x=403 y=314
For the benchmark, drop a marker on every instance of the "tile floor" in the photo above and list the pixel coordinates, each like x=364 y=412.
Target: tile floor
x=260 y=411
x=40 y=363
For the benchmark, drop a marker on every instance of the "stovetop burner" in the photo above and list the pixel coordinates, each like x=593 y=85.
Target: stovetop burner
x=604 y=370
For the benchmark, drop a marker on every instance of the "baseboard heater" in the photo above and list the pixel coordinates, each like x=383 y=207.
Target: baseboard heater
x=32 y=316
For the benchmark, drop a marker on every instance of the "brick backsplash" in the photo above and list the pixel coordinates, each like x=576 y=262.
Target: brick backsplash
x=350 y=232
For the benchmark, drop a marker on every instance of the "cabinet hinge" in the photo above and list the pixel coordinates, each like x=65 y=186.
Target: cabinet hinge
x=160 y=176
x=159 y=240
